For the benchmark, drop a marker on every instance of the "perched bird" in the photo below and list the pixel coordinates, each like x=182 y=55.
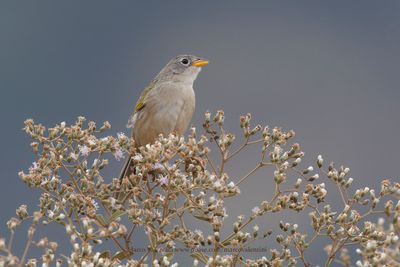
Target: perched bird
x=166 y=105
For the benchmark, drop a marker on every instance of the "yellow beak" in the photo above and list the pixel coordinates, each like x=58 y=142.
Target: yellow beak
x=200 y=63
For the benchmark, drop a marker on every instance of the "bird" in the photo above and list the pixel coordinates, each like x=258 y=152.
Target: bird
x=166 y=105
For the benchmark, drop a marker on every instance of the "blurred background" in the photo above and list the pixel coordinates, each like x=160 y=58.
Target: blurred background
x=329 y=71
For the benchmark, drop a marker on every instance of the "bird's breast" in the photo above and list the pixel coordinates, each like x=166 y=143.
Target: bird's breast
x=178 y=108
x=169 y=109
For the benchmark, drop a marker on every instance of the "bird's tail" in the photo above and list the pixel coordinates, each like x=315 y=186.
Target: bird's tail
x=126 y=171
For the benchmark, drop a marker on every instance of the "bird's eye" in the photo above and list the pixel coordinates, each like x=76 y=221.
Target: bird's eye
x=185 y=61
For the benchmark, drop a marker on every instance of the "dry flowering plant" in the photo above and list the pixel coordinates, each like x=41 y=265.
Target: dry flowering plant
x=176 y=179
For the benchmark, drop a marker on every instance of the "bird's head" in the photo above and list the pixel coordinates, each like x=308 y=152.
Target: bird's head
x=183 y=68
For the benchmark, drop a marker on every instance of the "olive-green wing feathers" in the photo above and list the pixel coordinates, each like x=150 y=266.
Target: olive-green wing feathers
x=142 y=99
x=140 y=104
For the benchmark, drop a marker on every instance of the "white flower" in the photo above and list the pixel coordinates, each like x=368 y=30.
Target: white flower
x=119 y=154
x=121 y=135
x=137 y=157
x=84 y=150
x=163 y=180
x=324 y=192
x=225 y=214
x=148 y=230
x=165 y=261
x=277 y=149
x=217 y=184
x=158 y=166
x=231 y=185
x=92 y=141
x=34 y=166
x=44 y=181
x=198 y=232
x=256 y=210
x=113 y=201
x=371 y=244
x=216 y=220
x=50 y=214
x=171 y=244
x=212 y=198
x=95 y=204
x=74 y=156
x=158 y=213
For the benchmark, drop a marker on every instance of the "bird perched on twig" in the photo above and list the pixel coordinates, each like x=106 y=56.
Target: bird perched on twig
x=166 y=105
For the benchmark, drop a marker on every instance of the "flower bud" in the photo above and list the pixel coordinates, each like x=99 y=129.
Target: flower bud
x=309 y=169
x=22 y=212
x=320 y=161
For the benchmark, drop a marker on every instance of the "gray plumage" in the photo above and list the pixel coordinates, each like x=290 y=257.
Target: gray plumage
x=167 y=104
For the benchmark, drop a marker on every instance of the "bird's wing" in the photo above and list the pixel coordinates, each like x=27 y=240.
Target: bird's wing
x=140 y=104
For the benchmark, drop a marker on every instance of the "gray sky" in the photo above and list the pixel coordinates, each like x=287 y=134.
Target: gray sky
x=330 y=71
